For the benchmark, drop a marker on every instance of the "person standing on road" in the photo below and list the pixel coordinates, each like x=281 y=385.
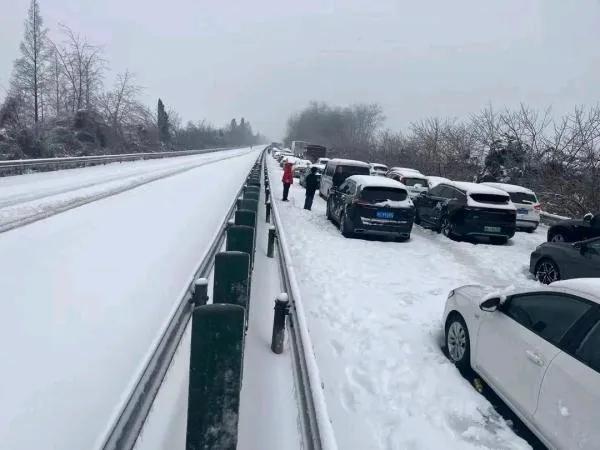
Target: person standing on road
x=288 y=180
x=312 y=184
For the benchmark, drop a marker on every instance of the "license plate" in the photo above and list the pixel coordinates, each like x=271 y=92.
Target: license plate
x=492 y=229
x=523 y=211
x=385 y=215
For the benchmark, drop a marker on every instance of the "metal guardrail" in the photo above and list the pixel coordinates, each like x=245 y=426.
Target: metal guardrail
x=9 y=167
x=125 y=430
x=314 y=420
x=550 y=219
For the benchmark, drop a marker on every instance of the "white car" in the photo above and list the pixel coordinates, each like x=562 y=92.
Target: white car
x=323 y=161
x=539 y=350
x=378 y=169
x=526 y=202
x=414 y=180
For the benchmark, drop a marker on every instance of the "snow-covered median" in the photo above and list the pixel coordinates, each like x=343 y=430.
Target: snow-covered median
x=374 y=311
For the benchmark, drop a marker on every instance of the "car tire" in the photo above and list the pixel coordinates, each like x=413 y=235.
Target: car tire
x=546 y=271
x=345 y=226
x=458 y=342
x=447 y=228
x=496 y=240
x=328 y=211
x=402 y=238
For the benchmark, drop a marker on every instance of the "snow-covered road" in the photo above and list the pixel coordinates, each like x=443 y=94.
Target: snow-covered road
x=26 y=198
x=374 y=311
x=86 y=293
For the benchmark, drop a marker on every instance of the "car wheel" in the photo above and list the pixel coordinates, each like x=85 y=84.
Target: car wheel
x=328 y=213
x=547 y=271
x=496 y=240
x=447 y=227
x=345 y=226
x=457 y=342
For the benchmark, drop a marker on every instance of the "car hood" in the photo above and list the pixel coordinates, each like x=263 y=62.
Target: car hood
x=470 y=296
x=570 y=223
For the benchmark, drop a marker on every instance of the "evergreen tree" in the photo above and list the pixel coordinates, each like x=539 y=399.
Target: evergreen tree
x=164 y=129
x=29 y=69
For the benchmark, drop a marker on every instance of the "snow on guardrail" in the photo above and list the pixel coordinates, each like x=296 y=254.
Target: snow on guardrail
x=326 y=437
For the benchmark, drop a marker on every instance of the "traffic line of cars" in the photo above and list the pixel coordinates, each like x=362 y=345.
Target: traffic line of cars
x=538 y=348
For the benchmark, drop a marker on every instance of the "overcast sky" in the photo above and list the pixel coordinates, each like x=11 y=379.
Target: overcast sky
x=264 y=59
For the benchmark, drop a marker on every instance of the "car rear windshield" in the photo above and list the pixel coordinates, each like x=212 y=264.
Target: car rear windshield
x=490 y=198
x=407 y=181
x=523 y=198
x=379 y=194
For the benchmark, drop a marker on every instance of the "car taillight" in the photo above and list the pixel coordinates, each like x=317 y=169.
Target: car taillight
x=537 y=207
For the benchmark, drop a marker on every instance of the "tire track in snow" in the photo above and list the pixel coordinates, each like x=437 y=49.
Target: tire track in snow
x=76 y=202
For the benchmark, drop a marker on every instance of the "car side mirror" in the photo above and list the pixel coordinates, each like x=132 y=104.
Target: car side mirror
x=490 y=305
x=588 y=218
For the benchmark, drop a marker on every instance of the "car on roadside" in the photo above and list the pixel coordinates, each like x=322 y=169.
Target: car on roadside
x=433 y=181
x=299 y=166
x=306 y=172
x=287 y=159
x=526 y=202
x=460 y=209
x=367 y=205
x=378 y=169
x=415 y=181
x=539 y=350
x=553 y=261
x=336 y=172
x=323 y=161
x=574 y=230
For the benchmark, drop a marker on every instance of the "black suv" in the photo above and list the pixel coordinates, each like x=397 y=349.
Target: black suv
x=460 y=209
x=364 y=204
x=575 y=230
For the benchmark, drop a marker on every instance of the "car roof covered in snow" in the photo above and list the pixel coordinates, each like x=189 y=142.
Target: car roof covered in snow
x=408 y=172
x=590 y=287
x=373 y=181
x=348 y=162
x=318 y=166
x=476 y=188
x=378 y=165
x=511 y=188
x=434 y=181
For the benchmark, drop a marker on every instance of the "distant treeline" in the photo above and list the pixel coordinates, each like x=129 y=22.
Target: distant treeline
x=558 y=158
x=58 y=105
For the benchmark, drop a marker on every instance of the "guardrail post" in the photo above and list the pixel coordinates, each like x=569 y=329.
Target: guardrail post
x=271 y=242
x=232 y=276
x=268 y=211
x=282 y=308
x=240 y=238
x=245 y=217
x=200 y=294
x=216 y=359
x=267 y=193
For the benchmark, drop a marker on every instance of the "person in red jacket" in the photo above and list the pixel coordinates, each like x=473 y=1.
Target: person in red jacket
x=288 y=180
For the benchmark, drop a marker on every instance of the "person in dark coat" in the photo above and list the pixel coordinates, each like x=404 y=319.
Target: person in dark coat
x=287 y=179
x=312 y=184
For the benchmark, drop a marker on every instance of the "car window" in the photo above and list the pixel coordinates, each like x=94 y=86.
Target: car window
x=436 y=190
x=589 y=349
x=523 y=198
x=547 y=314
x=344 y=187
x=412 y=181
x=491 y=198
x=382 y=194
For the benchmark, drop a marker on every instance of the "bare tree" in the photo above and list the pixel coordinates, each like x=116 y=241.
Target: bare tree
x=29 y=69
x=83 y=66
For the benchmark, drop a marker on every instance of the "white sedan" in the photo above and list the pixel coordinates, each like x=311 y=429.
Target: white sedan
x=539 y=350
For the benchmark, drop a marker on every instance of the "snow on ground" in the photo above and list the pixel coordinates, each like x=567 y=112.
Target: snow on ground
x=374 y=311
x=36 y=195
x=85 y=295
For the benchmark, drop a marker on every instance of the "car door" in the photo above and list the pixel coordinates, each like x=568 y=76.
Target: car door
x=568 y=413
x=588 y=262
x=340 y=198
x=427 y=202
x=439 y=202
x=515 y=344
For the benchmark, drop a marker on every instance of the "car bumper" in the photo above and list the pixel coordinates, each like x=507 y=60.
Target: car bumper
x=526 y=223
x=478 y=229
x=383 y=227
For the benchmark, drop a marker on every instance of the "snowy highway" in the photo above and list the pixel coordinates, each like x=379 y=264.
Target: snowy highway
x=374 y=312
x=27 y=198
x=87 y=292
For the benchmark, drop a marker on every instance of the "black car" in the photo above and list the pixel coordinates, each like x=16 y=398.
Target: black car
x=553 y=261
x=575 y=230
x=460 y=209
x=371 y=205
